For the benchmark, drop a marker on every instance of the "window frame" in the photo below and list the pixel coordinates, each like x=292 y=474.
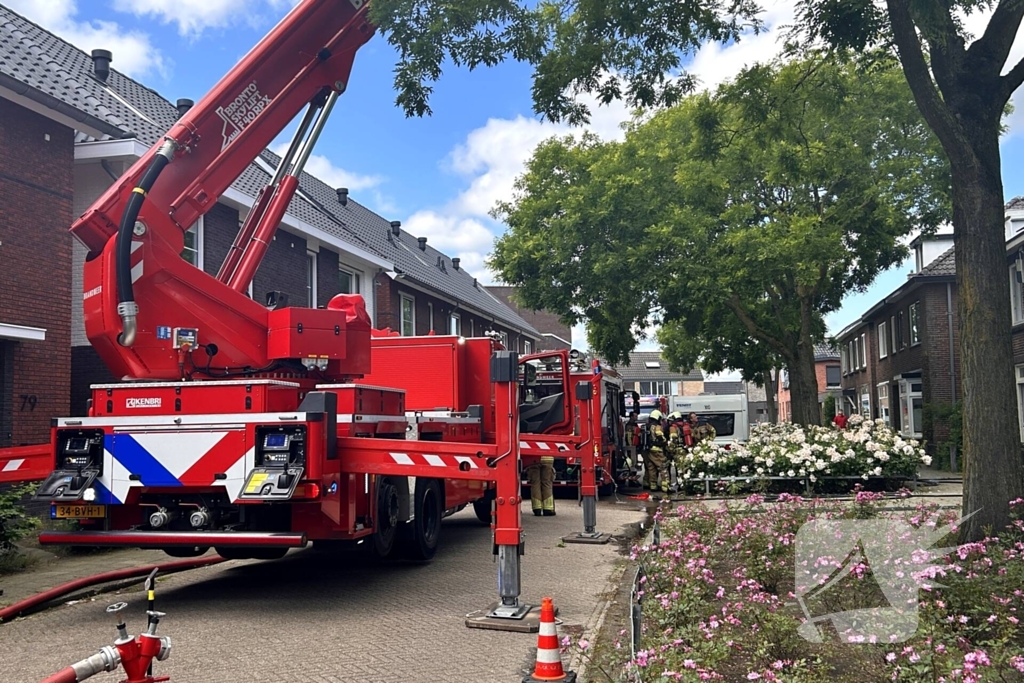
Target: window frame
x=430 y=315
x=914 y=320
x=355 y=277
x=884 y=408
x=196 y=228
x=864 y=398
x=839 y=381
x=843 y=364
x=883 y=340
x=402 y=298
x=899 y=330
x=864 y=351
x=1018 y=371
x=1016 y=294
x=455 y=324
x=892 y=334
x=311 y=277
x=527 y=346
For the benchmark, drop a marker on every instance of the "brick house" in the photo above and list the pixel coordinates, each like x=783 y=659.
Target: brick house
x=649 y=374
x=554 y=334
x=901 y=360
x=827 y=373
x=69 y=126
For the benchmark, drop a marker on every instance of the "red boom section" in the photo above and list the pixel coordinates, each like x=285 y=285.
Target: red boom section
x=311 y=50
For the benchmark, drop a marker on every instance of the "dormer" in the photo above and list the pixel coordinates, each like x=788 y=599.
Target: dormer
x=927 y=248
x=1013 y=217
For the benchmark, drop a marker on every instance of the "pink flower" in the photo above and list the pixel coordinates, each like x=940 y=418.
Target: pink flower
x=753 y=676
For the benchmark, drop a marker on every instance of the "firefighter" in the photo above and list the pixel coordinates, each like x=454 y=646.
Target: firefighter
x=541 y=476
x=632 y=439
x=701 y=431
x=655 y=462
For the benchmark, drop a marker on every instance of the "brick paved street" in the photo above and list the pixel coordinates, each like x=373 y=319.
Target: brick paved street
x=340 y=618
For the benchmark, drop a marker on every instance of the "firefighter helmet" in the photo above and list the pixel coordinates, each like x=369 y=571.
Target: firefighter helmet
x=675 y=416
x=655 y=414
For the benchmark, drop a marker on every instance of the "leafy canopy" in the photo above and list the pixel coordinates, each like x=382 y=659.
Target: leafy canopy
x=616 y=49
x=737 y=219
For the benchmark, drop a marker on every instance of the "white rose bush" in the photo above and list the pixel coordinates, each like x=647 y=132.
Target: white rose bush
x=866 y=449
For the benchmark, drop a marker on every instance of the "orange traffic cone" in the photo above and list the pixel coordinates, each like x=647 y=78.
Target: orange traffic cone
x=549 y=658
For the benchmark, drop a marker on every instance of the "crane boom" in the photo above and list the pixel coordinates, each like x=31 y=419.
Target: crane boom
x=146 y=309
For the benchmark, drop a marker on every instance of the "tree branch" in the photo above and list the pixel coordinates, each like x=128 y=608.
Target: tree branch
x=1012 y=80
x=918 y=75
x=756 y=330
x=989 y=53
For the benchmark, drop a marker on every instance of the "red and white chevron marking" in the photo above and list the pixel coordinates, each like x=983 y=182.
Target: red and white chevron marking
x=432 y=460
x=542 y=446
x=14 y=465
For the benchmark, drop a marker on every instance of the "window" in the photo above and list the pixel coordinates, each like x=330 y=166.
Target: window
x=843 y=362
x=883 y=404
x=1020 y=399
x=911 y=407
x=472 y=328
x=527 y=346
x=901 y=342
x=832 y=376
x=455 y=324
x=348 y=281
x=865 y=402
x=863 y=351
x=193 y=249
x=1017 y=291
x=852 y=350
x=311 y=279
x=655 y=388
x=892 y=332
x=883 y=340
x=504 y=339
x=652 y=364
x=915 y=329
x=430 y=315
x=408 y=312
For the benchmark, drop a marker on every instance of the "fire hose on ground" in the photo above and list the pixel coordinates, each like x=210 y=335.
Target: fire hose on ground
x=8 y=613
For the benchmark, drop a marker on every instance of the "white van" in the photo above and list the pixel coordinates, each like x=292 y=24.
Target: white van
x=726 y=413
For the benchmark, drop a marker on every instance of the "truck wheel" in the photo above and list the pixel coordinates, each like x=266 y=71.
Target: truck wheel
x=420 y=536
x=387 y=518
x=482 y=508
x=186 y=552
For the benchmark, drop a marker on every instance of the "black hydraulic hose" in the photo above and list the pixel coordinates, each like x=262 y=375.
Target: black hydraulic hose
x=127 y=308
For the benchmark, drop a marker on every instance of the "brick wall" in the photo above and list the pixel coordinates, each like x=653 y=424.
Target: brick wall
x=220 y=225
x=283 y=269
x=86 y=369
x=327 y=283
x=37 y=187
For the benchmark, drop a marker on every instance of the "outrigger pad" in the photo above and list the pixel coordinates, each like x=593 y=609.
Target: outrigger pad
x=588 y=539
x=528 y=623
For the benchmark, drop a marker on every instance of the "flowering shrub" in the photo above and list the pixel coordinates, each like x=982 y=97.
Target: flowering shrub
x=865 y=449
x=718 y=596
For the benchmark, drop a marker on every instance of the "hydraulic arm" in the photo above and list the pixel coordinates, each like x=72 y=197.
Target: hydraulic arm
x=147 y=311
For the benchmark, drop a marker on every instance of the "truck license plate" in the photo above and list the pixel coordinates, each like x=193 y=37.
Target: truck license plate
x=80 y=511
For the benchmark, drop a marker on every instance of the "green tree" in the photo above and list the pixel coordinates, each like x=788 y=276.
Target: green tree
x=962 y=92
x=615 y=49
x=743 y=215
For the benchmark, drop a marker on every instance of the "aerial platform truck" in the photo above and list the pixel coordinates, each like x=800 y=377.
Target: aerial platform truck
x=569 y=408
x=240 y=426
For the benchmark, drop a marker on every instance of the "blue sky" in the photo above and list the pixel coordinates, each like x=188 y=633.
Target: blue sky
x=439 y=175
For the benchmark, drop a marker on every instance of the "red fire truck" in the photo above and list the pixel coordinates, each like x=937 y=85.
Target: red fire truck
x=248 y=428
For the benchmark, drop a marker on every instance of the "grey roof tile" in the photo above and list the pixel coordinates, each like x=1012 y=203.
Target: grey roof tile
x=824 y=351
x=41 y=60
x=1015 y=203
x=943 y=265
x=637 y=369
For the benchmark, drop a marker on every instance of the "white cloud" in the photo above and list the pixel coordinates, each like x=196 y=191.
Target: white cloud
x=134 y=53
x=194 y=16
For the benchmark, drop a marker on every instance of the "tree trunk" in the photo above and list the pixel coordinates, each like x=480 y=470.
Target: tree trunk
x=803 y=387
x=769 y=396
x=993 y=469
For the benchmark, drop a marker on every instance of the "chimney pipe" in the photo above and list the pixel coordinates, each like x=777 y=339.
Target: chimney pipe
x=455 y=262
x=183 y=105
x=342 y=196
x=423 y=243
x=395 y=225
x=101 y=60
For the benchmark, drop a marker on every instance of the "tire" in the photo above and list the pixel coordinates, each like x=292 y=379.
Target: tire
x=482 y=508
x=230 y=553
x=386 y=518
x=421 y=536
x=186 y=552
